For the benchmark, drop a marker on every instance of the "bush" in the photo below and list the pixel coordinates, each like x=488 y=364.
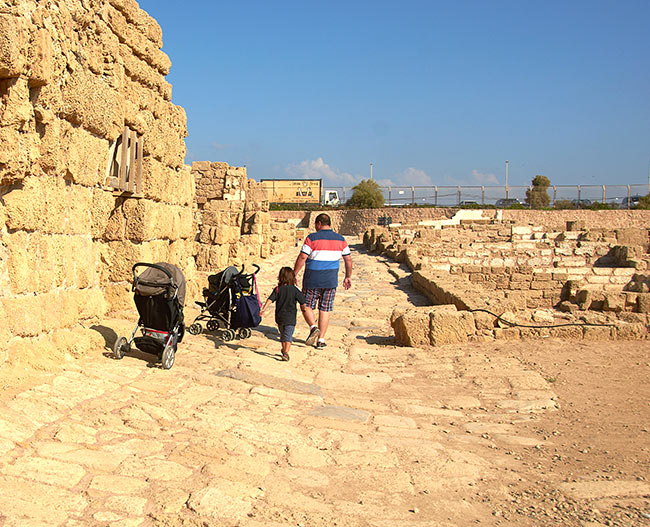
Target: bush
x=538 y=197
x=597 y=205
x=644 y=203
x=366 y=195
x=564 y=204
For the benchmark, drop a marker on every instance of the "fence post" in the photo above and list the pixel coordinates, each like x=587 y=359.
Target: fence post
x=604 y=195
x=412 y=195
x=579 y=202
x=389 y=195
x=554 y=194
x=436 y=199
x=629 y=197
x=459 y=195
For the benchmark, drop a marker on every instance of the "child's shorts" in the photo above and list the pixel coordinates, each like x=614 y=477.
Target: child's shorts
x=286 y=333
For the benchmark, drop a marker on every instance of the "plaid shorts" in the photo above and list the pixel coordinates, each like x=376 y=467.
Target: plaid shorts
x=325 y=298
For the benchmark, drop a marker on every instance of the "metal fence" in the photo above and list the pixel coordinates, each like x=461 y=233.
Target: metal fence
x=565 y=196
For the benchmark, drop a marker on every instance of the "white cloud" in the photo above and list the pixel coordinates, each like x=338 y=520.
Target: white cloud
x=484 y=179
x=386 y=182
x=318 y=169
x=413 y=177
x=219 y=146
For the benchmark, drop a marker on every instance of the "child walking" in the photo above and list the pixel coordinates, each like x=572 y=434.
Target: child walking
x=285 y=295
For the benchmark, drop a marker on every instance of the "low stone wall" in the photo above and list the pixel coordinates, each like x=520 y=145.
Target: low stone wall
x=444 y=324
x=356 y=222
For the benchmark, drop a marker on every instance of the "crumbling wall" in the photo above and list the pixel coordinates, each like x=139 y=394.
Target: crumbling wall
x=234 y=224
x=75 y=79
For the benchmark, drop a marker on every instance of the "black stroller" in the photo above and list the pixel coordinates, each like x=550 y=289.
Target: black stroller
x=159 y=296
x=231 y=303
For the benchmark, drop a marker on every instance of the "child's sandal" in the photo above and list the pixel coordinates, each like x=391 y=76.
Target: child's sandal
x=285 y=356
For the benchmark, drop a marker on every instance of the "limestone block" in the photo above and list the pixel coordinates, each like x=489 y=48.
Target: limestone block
x=47 y=204
x=643 y=303
x=139 y=42
x=450 y=326
x=16 y=110
x=614 y=302
x=14 y=41
x=77 y=341
x=86 y=156
x=101 y=209
x=18 y=155
x=507 y=333
x=140 y=19
x=41 y=58
x=165 y=139
x=597 y=333
x=118 y=297
x=146 y=220
x=411 y=327
x=120 y=257
x=92 y=103
x=629 y=331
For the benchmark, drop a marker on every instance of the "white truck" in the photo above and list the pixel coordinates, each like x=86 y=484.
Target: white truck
x=331 y=197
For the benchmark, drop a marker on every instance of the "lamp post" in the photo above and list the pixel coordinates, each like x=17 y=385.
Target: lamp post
x=371 y=170
x=506 y=181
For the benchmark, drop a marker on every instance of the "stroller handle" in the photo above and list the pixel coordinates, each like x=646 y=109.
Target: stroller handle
x=158 y=267
x=243 y=266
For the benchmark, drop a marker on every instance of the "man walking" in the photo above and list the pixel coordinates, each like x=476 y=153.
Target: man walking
x=320 y=256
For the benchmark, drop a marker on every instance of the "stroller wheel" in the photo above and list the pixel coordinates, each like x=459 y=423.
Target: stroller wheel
x=244 y=333
x=168 y=356
x=195 y=329
x=228 y=335
x=212 y=325
x=120 y=347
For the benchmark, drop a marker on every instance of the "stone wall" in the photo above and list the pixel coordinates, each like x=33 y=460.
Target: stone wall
x=234 y=224
x=521 y=272
x=356 y=222
x=74 y=78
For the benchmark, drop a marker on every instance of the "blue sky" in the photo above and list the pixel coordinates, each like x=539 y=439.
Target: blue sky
x=431 y=92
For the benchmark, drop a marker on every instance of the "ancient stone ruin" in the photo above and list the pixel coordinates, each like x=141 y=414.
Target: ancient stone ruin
x=92 y=175
x=494 y=279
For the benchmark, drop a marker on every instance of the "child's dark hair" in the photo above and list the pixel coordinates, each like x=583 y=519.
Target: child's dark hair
x=286 y=276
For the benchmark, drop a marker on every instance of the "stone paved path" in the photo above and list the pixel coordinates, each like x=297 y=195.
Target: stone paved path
x=362 y=433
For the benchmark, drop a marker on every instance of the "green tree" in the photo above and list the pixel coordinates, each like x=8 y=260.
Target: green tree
x=366 y=195
x=537 y=196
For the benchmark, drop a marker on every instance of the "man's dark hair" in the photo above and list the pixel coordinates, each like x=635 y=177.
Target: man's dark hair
x=286 y=276
x=323 y=219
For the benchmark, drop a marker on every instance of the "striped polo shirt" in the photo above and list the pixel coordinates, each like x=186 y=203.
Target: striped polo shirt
x=324 y=249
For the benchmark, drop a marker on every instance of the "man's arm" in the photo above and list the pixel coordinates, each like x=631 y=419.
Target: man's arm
x=300 y=263
x=347 y=282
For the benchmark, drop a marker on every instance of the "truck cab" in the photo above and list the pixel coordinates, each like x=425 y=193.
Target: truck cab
x=331 y=197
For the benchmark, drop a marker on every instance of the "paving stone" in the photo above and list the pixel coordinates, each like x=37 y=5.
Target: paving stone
x=396 y=421
x=118 y=484
x=131 y=505
x=340 y=412
x=46 y=471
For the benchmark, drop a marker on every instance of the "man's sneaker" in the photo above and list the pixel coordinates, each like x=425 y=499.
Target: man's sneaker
x=314 y=333
x=320 y=345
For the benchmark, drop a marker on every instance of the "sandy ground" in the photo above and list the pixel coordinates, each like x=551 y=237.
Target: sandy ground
x=363 y=433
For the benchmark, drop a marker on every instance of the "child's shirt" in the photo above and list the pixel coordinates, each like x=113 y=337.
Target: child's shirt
x=286 y=297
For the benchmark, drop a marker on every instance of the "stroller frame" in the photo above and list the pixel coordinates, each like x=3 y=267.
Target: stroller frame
x=155 y=341
x=222 y=319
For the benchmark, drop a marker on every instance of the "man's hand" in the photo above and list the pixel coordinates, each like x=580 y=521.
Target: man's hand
x=347 y=283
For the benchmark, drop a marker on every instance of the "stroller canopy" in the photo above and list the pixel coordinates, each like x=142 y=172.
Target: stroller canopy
x=153 y=282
